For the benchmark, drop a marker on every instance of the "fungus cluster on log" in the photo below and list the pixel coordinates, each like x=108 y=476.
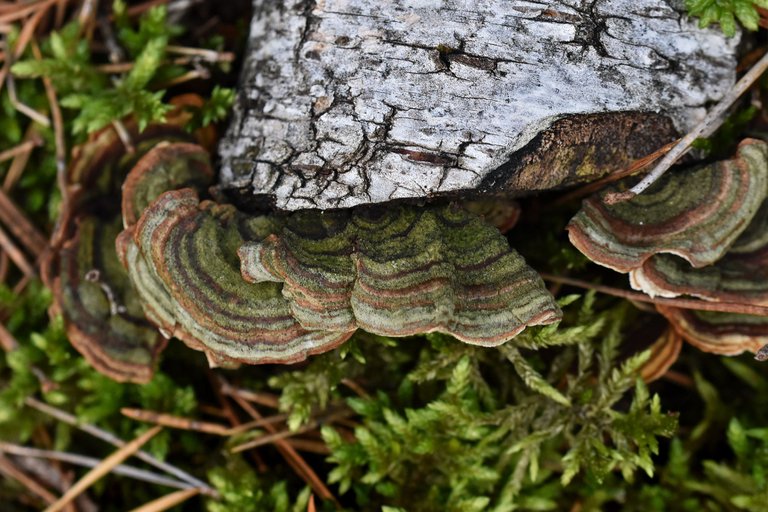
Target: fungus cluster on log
x=699 y=232
x=339 y=112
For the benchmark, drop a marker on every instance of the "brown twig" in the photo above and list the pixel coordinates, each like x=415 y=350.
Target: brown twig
x=24 y=147
x=292 y=457
x=80 y=460
x=4 y=266
x=201 y=53
x=193 y=74
x=168 y=501
x=58 y=120
x=99 y=433
x=701 y=305
x=28 y=30
x=17 y=13
x=16 y=255
x=275 y=436
x=22 y=107
x=357 y=388
x=20 y=161
x=11 y=471
x=177 y=422
x=124 y=136
x=20 y=226
x=233 y=418
x=86 y=18
x=103 y=468
x=308 y=445
x=678 y=378
x=265 y=399
x=124 y=67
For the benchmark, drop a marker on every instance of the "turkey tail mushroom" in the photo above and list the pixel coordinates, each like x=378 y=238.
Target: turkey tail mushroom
x=102 y=315
x=696 y=214
x=400 y=271
x=741 y=276
x=719 y=333
x=701 y=232
x=167 y=166
x=189 y=253
x=100 y=309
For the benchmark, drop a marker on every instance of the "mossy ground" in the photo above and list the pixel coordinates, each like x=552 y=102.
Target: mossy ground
x=557 y=420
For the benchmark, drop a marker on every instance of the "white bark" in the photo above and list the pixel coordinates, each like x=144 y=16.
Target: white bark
x=346 y=102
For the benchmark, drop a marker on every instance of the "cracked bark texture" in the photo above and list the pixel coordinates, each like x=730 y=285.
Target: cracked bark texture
x=347 y=102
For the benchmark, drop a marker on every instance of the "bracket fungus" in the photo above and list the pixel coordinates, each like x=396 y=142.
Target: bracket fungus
x=400 y=271
x=695 y=214
x=699 y=232
x=741 y=275
x=719 y=333
x=339 y=113
x=101 y=310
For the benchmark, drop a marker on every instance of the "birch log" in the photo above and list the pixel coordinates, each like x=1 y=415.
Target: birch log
x=349 y=102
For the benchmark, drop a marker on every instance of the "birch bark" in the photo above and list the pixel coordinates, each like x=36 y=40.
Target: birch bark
x=348 y=102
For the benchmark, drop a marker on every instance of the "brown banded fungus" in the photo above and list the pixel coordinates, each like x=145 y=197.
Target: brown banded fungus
x=740 y=276
x=664 y=352
x=696 y=214
x=184 y=252
x=309 y=281
x=400 y=271
x=698 y=232
x=719 y=333
x=102 y=314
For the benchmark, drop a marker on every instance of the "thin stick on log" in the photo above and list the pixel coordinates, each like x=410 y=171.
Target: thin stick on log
x=91 y=462
x=706 y=127
x=116 y=441
x=167 y=501
x=103 y=468
x=701 y=305
x=636 y=167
